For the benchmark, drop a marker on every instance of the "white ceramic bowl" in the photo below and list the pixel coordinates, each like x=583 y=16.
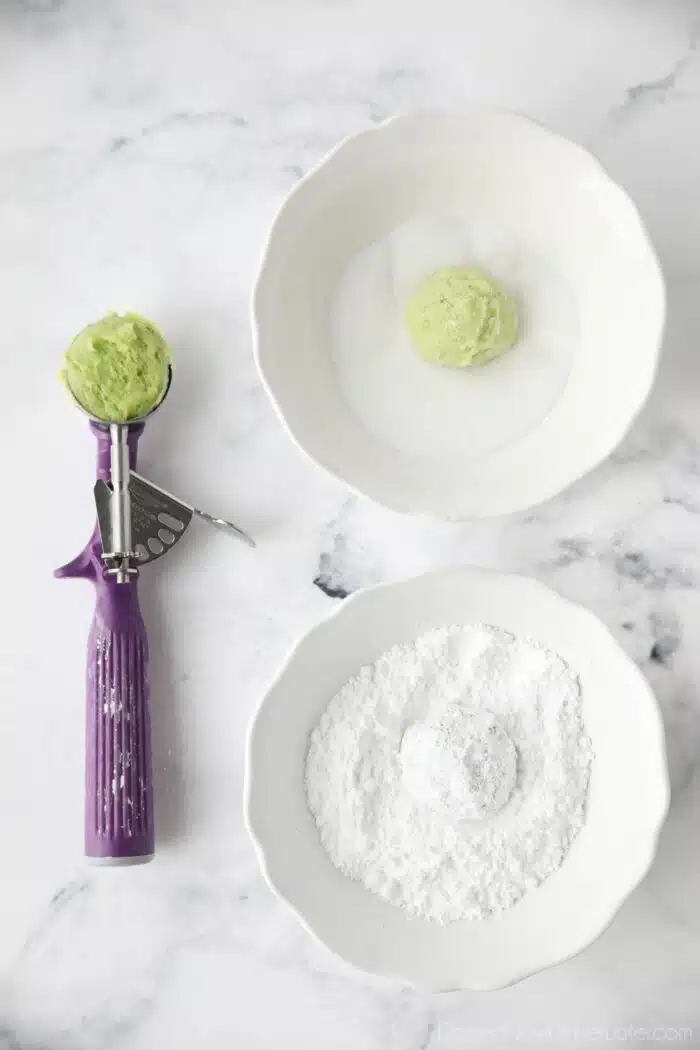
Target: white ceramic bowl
x=627 y=802
x=535 y=191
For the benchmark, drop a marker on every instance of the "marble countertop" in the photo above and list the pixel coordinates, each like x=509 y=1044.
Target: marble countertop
x=145 y=148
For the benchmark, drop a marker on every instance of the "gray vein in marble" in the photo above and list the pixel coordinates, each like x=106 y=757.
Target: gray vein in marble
x=10 y=1040
x=573 y=549
x=328 y=579
x=196 y=906
x=65 y=894
x=658 y=90
x=686 y=502
x=431 y=1029
x=344 y=565
x=336 y=574
x=662 y=651
x=62 y=900
x=295 y=146
x=179 y=119
x=666 y=634
x=638 y=566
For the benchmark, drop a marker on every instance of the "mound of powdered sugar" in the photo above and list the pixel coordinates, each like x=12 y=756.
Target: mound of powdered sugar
x=461 y=763
x=450 y=776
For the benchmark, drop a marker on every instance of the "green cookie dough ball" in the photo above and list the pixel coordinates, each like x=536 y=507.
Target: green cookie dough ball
x=117 y=368
x=460 y=317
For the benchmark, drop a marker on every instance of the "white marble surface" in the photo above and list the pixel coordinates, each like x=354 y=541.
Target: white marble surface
x=145 y=147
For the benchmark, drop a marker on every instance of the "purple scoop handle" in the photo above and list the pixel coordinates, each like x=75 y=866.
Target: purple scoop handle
x=118 y=775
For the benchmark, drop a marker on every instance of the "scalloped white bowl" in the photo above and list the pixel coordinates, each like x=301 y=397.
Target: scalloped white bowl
x=627 y=802
x=508 y=174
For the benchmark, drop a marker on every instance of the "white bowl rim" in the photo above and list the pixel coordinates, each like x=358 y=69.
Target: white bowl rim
x=365 y=594
x=547 y=490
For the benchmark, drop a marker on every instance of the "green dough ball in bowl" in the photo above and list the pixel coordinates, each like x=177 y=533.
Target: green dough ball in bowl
x=459 y=317
x=117 y=368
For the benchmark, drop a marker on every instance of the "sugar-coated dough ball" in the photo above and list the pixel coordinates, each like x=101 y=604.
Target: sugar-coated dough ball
x=459 y=317
x=462 y=764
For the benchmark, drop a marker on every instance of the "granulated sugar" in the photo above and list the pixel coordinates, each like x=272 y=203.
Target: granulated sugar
x=450 y=776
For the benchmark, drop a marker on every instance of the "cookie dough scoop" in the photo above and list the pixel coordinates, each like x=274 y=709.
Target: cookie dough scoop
x=118 y=371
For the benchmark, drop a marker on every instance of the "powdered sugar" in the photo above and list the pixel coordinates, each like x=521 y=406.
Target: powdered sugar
x=450 y=776
x=462 y=764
